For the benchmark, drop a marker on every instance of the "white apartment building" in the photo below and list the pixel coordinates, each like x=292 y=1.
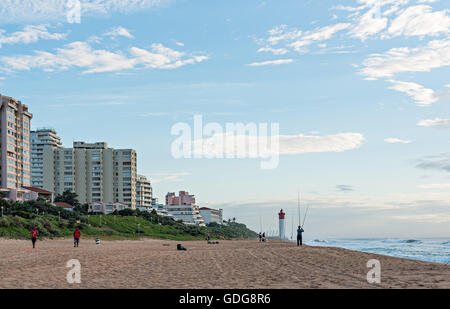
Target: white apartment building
x=189 y=214
x=96 y=173
x=40 y=138
x=144 y=192
x=183 y=207
x=15 y=144
x=212 y=215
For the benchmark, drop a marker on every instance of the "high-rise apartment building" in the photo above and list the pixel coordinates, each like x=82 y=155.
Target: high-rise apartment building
x=40 y=138
x=15 y=144
x=144 y=193
x=96 y=173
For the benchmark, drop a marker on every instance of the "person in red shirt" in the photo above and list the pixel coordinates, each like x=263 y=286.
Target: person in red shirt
x=34 y=236
x=76 y=237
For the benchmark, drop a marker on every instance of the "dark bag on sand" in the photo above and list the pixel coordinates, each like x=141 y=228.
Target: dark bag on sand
x=180 y=247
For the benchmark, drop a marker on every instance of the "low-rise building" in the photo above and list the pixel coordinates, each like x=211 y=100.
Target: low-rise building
x=106 y=208
x=183 y=208
x=211 y=215
x=26 y=194
x=41 y=193
x=64 y=205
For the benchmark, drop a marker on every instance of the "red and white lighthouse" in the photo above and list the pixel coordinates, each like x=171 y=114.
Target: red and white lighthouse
x=281 y=216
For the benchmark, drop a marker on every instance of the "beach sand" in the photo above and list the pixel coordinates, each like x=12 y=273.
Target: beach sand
x=230 y=264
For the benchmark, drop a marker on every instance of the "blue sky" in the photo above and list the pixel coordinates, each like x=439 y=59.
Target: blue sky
x=368 y=78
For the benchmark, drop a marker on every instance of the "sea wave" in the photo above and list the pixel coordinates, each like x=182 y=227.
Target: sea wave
x=319 y=240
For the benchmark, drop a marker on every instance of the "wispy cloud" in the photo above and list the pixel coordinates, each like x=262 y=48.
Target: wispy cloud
x=288 y=144
x=434 y=55
x=169 y=177
x=421 y=21
x=369 y=24
x=344 y=188
x=29 y=34
x=31 y=11
x=270 y=62
x=119 y=31
x=437 y=122
x=423 y=96
x=393 y=140
x=275 y=51
x=82 y=55
x=439 y=162
x=436 y=186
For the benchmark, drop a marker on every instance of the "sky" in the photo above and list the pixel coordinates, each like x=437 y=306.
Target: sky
x=360 y=91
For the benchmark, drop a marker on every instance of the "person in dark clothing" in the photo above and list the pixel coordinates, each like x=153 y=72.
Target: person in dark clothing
x=34 y=236
x=76 y=237
x=260 y=237
x=263 y=236
x=299 y=236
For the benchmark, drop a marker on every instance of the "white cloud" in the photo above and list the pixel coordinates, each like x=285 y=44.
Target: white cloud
x=22 y=11
x=319 y=34
x=163 y=57
x=30 y=34
x=281 y=33
x=369 y=24
x=436 y=186
x=174 y=177
x=394 y=140
x=119 y=31
x=434 y=55
x=423 y=96
x=297 y=144
x=179 y=44
x=270 y=62
x=437 y=122
x=419 y=21
x=288 y=144
x=81 y=55
x=275 y=51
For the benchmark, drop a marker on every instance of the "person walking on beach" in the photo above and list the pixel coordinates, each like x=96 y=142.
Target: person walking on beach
x=263 y=237
x=299 y=235
x=260 y=237
x=76 y=237
x=34 y=236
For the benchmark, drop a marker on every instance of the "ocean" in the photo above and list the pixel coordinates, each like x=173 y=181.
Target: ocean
x=429 y=249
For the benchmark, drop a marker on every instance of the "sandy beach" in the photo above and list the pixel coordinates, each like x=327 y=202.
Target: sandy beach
x=230 y=264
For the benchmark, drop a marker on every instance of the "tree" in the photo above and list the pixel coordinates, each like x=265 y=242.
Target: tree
x=68 y=197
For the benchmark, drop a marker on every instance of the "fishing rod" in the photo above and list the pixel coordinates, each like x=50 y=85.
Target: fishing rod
x=299 y=212
x=304 y=218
